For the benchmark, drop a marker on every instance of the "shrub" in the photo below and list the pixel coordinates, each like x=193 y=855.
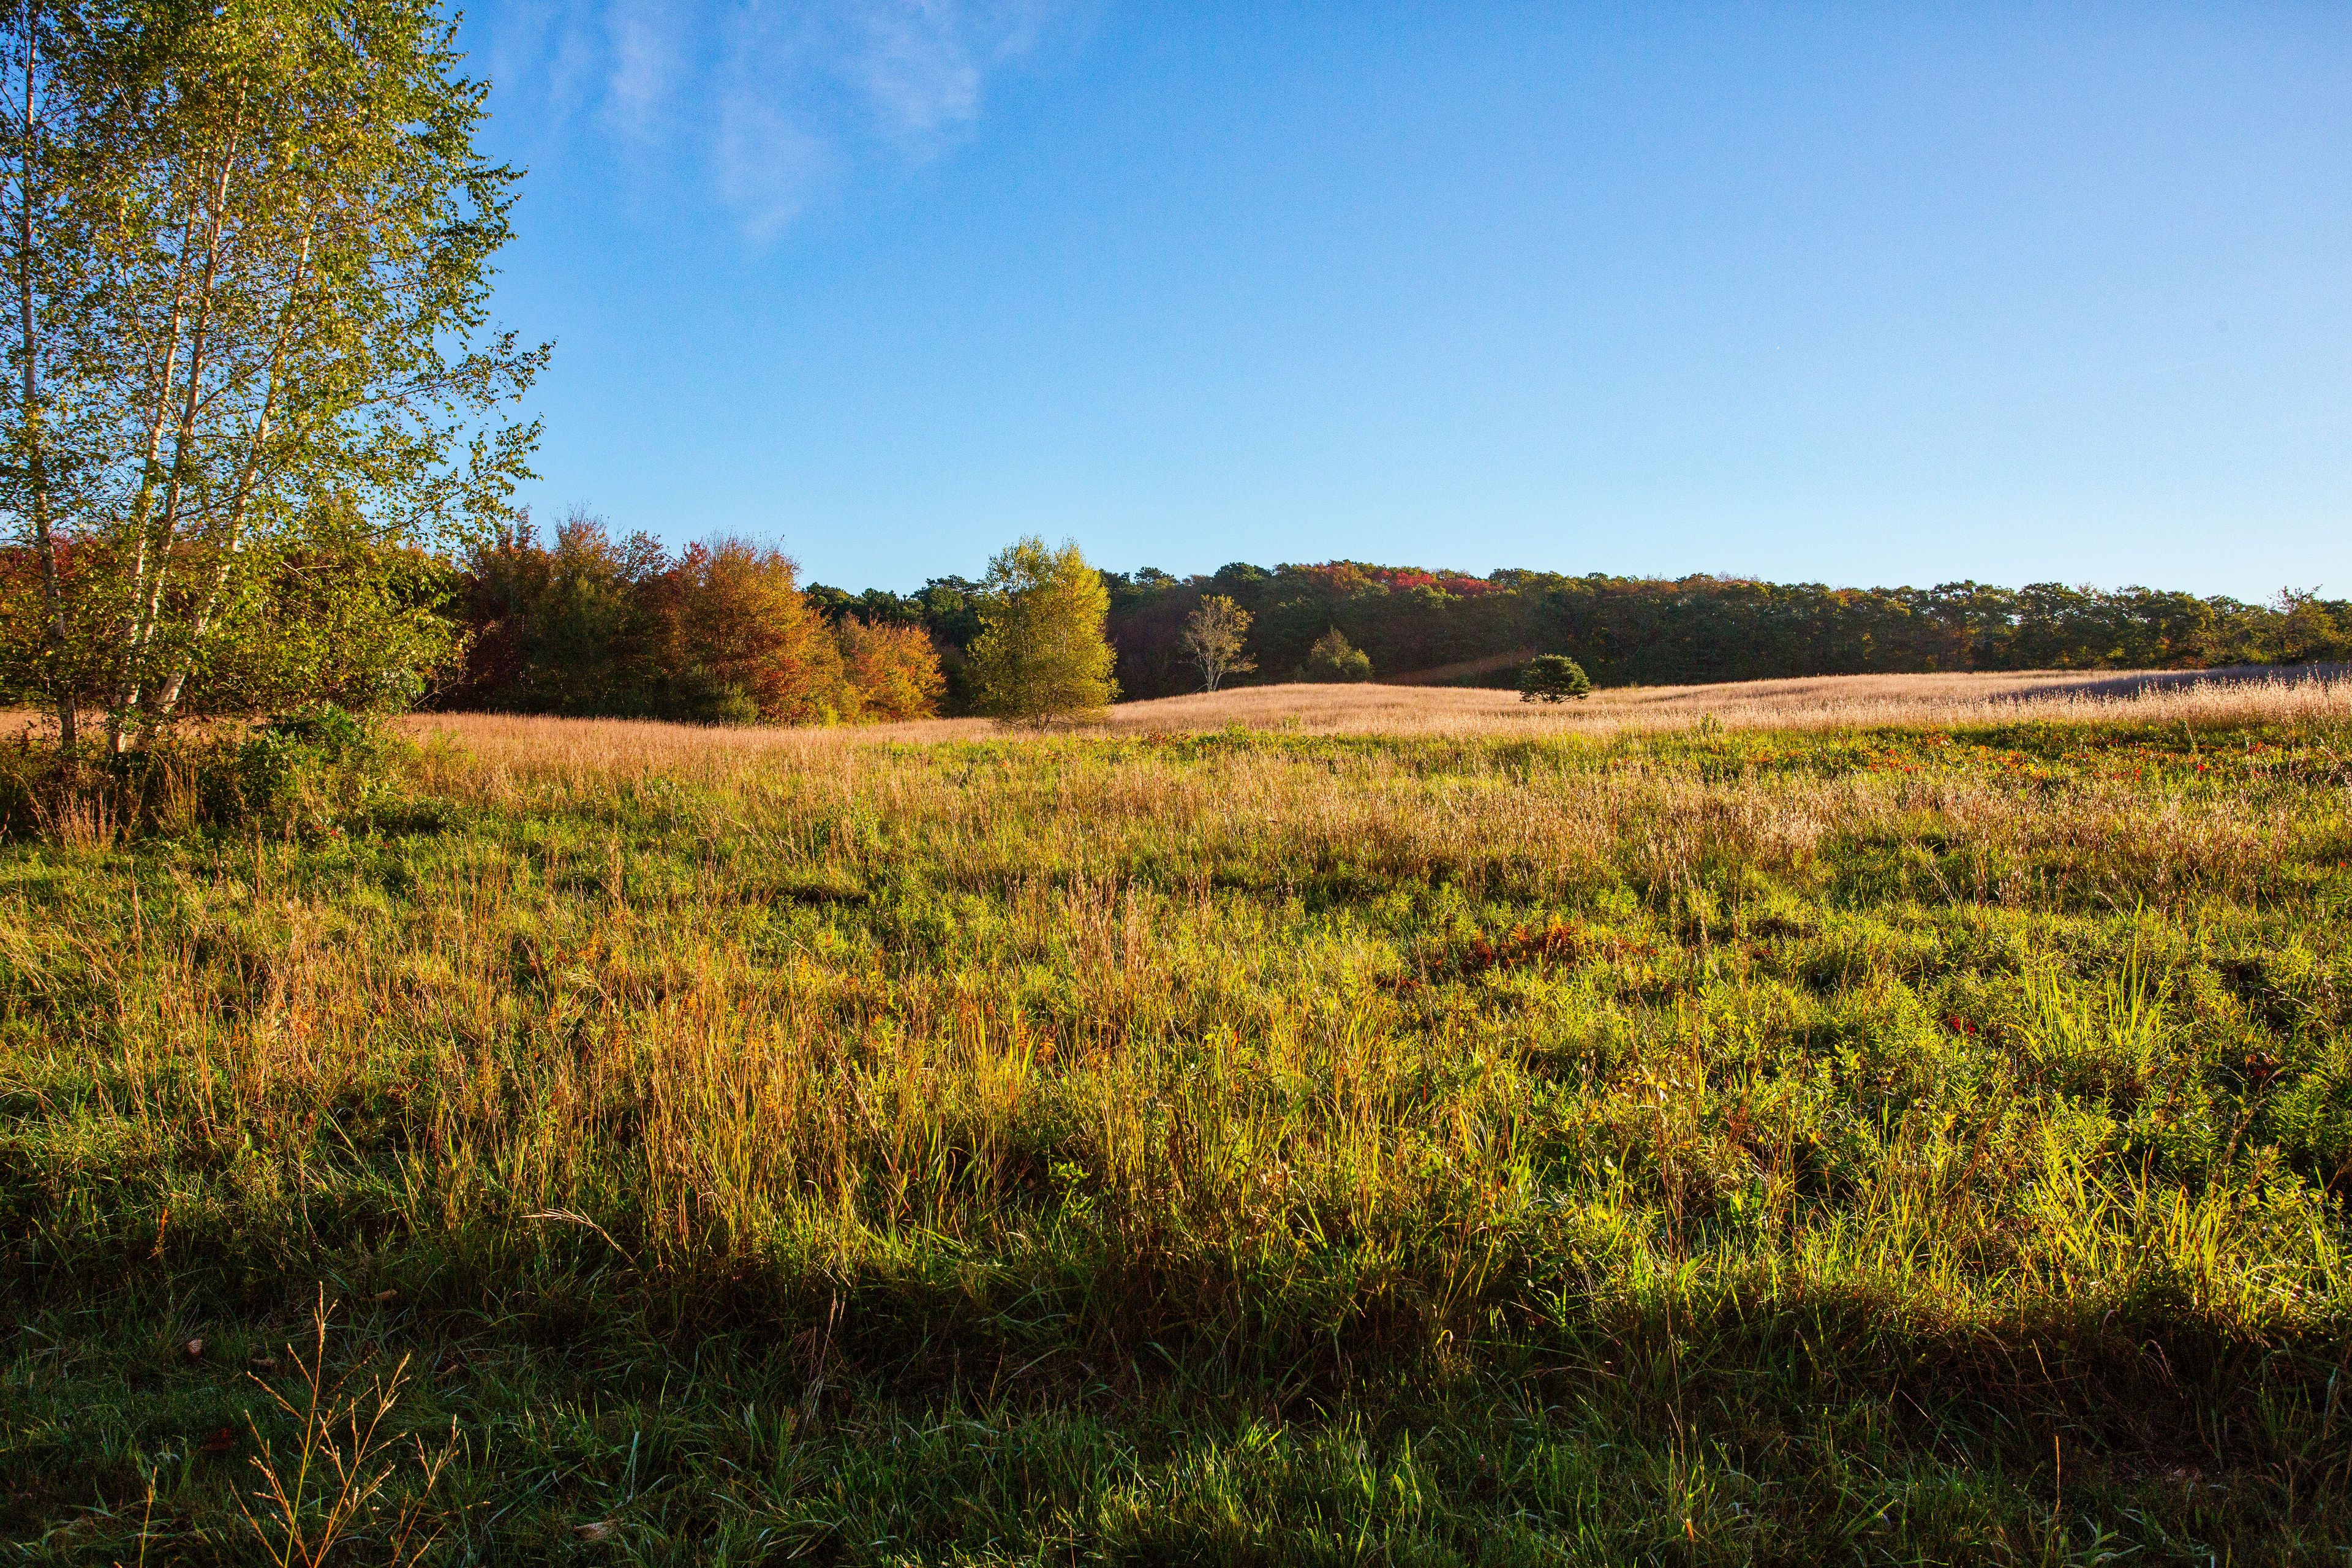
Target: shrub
x=1554 y=677
x=1333 y=657
x=302 y=770
x=697 y=695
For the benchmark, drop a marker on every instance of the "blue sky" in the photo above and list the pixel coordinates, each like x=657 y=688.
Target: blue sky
x=1857 y=294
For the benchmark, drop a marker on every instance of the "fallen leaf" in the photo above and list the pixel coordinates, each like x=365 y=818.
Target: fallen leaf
x=603 y=1529
x=222 y=1441
x=383 y=1295
x=263 y=1362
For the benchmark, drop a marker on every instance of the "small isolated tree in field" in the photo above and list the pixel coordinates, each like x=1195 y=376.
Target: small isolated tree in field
x=1041 y=654
x=1554 y=677
x=1212 y=639
x=1333 y=657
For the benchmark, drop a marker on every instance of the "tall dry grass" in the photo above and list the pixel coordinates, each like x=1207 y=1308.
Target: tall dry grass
x=626 y=1019
x=2257 y=695
x=1697 y=1100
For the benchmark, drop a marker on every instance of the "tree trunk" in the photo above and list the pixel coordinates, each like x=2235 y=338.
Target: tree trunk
x=143 y=603
x=168 y=698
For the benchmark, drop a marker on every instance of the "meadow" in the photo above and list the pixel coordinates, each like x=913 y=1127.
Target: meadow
x=1883 y=1124
x=2252 y=695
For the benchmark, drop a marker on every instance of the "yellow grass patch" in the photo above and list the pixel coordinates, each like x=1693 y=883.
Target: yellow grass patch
x=2254 y=695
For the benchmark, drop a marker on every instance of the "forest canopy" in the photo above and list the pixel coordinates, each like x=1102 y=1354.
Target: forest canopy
x=1412 y=622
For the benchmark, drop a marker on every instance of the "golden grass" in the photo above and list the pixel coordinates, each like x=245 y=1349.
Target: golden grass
x=1025 y=970
x=2254 y=695
x=1100 y=1075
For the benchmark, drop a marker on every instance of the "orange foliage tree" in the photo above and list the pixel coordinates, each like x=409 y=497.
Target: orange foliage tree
x=722 y=634
x=732 y=615
x=893 y=670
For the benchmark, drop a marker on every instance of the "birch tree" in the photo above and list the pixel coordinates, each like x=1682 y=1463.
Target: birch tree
x=271 y=336
x=46 y=264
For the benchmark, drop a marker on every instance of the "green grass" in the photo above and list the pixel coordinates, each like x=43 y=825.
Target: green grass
x=1892 y=1147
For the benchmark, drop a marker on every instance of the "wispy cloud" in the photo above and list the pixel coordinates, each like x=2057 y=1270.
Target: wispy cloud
x=766 y=165
x=776 y=100
x=645 y=49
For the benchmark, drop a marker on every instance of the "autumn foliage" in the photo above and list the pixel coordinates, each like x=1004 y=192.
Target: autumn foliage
x=892 y=670
x=718 y=633
x=731 y=613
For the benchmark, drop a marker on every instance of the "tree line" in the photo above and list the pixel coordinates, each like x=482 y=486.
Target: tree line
x=718 y=633
x=583 y=625
x=1344 y=619
x=721 y=632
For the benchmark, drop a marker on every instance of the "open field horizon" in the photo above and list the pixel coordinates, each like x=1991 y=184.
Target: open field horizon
x=2249 y=695
x=2245 y=694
